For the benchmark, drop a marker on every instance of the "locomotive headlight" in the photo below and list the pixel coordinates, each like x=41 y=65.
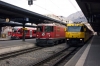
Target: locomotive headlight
x=37 y=35
x=67 y=39
x=49 y=35
x=80 y=39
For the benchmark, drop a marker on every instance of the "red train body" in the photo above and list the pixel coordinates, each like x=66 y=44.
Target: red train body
x=18 y=33
x=50 y=34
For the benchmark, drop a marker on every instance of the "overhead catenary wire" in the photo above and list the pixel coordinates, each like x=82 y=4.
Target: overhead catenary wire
x=58 y=10
x=57 y=6
x=49 y=10
x=44 y=8
x=74 y=7
x=54 y=4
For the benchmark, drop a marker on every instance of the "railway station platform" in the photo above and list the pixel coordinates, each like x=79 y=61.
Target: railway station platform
x=88 y=55
x=15 y=45
x=4 y=39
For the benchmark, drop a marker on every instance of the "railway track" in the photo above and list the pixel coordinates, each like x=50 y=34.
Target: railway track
x=55 y=59
x=16 y=53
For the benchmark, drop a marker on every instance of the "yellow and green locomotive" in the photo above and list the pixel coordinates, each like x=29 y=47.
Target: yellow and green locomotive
x=77 y=33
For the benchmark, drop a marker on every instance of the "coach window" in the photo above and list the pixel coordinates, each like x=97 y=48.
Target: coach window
x=26 y=31
x=14 y=29
x=48 y=28
x=74 y=28
x=19 y=31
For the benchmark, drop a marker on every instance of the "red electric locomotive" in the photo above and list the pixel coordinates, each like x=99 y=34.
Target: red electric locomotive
x=18 y=33
x=50 y=34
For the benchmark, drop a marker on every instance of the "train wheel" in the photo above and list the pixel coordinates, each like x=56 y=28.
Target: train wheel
x=17 y=38
x=56 y=42
x=63 y=40
x=83 y=42
x=69 y=44
x=53 y=44
x=60 y=41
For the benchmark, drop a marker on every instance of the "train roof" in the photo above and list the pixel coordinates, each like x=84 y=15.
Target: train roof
x=25 y=27
x=75 y=24
x=80 y=24
x=46 y=24
x=49 y=24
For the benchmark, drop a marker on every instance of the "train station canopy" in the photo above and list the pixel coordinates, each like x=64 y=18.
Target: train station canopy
x=21 y=15
x=91 y=10
x=13 y=24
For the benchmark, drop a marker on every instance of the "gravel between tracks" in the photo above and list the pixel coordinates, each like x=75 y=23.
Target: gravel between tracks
x=32 y=57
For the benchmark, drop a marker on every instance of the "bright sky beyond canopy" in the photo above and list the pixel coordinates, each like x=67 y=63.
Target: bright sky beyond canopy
x=57 y=7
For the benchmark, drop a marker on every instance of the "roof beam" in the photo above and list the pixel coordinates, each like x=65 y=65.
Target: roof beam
x=90 y=1
x=12 y=11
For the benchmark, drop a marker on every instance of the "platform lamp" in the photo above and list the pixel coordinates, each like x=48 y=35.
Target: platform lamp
x=7 y=20
x=30 y=2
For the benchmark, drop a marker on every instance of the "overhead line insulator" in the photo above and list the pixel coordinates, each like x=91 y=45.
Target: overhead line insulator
x=30 y=2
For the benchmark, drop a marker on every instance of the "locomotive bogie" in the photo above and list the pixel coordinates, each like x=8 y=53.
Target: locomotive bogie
x=75 y=41
x=48 y=42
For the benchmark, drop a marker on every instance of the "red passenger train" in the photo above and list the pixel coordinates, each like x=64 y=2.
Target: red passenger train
x=18 y=33
x=50 y=34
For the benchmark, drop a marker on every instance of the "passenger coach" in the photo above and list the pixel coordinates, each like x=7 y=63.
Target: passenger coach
x=17 y=33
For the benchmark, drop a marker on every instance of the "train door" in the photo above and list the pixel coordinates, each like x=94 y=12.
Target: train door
x=30 y=33
x=34 y=33
x=19 y=33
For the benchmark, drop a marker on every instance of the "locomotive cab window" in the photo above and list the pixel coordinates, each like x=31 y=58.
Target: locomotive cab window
x=75 y=29
x=48 y=28
x=39 y=28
